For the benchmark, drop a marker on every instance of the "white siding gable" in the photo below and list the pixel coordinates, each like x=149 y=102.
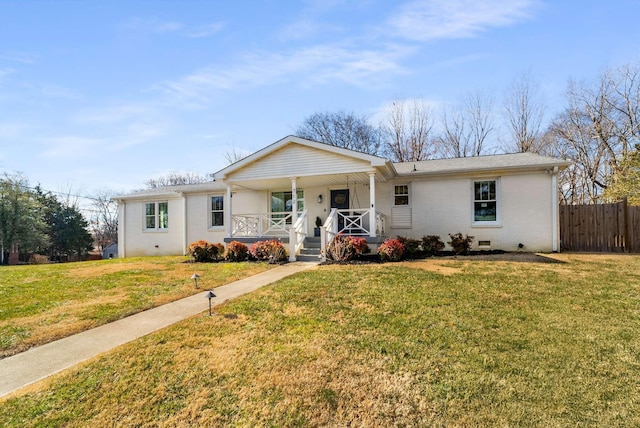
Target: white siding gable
x=298 y=160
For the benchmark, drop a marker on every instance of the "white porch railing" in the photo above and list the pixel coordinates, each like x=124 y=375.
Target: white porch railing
x=350 y=222
x=272 y=224
x=297 y=234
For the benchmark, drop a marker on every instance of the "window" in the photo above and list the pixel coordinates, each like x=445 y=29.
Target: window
x=157 y=215
x=217 y=211
x=401 y=195
x=485 y=201
x=282 y=202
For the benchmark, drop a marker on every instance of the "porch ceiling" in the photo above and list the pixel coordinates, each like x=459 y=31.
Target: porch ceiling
x=328 y=180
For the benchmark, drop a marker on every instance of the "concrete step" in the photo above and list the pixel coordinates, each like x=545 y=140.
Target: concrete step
x=308 y=258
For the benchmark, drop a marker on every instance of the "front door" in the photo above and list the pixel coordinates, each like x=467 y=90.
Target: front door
x=340 y=200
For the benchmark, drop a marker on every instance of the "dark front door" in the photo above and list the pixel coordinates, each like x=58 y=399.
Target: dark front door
x=340 y=200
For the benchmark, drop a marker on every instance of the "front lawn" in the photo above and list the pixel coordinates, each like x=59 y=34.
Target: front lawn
x=41 y=303
x=457 y=342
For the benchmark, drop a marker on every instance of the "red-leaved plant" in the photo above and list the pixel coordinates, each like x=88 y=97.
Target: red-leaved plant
x=236 y=251
x=344 y=248
x=391 y=250
x=272 y=251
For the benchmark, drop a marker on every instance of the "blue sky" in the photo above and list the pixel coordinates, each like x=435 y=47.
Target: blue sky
x=107 y=94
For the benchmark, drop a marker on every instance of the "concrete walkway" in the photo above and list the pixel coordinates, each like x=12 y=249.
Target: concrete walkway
x=38 y=363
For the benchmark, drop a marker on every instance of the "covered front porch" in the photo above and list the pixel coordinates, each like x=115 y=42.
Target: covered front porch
x=315 y=217
x=294 y=186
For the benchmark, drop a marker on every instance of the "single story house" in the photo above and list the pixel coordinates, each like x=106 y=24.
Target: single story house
x=507 y=202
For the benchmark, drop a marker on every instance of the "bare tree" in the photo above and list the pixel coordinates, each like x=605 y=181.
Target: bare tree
x=341 y=129
x=406 y=131
x=467 y=126
x=598 y=128
x=175 y=179
x=524 y=113
x=104 y=218
x=233 y=155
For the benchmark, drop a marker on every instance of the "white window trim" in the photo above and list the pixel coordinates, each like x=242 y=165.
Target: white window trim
x=157 y=216
x=498 y=221
x=210 y=216
x=393 y=194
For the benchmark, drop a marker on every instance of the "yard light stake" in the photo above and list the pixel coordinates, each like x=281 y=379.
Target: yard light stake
x=195 y=277
x=210 y=296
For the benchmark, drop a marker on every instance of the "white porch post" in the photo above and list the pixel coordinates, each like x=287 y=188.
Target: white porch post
x=372 y=200
x=294 y=200
x=227 y=213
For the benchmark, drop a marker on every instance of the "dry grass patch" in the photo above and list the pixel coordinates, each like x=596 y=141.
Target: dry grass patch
x=498 y=343
x=42 y=303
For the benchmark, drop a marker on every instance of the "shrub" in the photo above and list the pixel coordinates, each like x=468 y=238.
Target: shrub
x=432 y=244
x=272 y=251
x=38 y=259
x=344 y=248
x=236 y=251
x=203 y=251
x=391 y=250
x=460 y=244
x=411 y=246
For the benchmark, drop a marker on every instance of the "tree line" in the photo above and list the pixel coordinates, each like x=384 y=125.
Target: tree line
x=38 y=222
x=597 y=129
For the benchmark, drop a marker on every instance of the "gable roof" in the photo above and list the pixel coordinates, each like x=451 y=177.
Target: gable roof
x=479 y=164
x=310 y=162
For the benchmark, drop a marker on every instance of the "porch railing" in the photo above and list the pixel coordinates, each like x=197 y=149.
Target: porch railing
x=297 y=234
x=271 y=224
x=350 y=222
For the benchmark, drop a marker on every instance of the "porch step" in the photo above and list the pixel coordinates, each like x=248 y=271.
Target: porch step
x=309 y=254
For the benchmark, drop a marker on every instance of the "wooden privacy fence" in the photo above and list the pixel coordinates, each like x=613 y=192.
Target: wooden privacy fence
x=601 y=228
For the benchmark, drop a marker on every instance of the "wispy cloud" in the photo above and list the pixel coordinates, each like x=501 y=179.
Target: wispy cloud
x=206 y=30
x=152 y=25
x=322 y=64
x=424 y=20
x=71 y=146
x=20 y=57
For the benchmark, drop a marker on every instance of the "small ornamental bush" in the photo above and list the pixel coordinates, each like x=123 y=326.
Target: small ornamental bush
x=272 y=251
x=411 y=246
x=432 y=244
x=236 y=251
x=344 y=248
x=391 y=250
x=203 y=251
x=461 y=244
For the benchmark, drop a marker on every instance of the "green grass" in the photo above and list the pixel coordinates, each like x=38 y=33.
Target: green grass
x=478 y=343
x=41 y=303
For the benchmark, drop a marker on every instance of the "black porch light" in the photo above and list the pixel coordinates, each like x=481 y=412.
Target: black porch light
x=195 y=277
x=209 y=295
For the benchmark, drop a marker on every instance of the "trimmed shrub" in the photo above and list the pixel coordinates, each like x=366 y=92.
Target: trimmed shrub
x=345 y=248
x=391 y=250
x=432 y=244
x=236 y=251
x=272 y=251
x=203 y=251
x=411 y=246
x=461 y=244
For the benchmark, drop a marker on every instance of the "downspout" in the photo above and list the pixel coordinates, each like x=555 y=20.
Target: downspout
x=555 y=227
x=122 y=228
x=184 y=224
